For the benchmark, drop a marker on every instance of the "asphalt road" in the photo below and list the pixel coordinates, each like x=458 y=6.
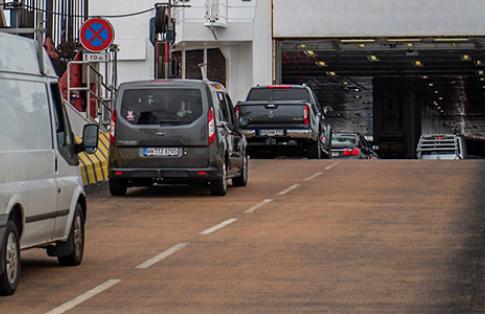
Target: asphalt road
x=303 y=237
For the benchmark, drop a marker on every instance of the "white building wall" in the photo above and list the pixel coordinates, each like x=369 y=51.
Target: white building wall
x=378 y=18
x=136 y=52
x=240 y=70
x=246 y=40
x=263 y=44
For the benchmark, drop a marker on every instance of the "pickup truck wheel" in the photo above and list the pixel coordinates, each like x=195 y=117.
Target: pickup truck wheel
x=76 y=241
x=219 y=187
x=10 y=272
x=242 y=180
x=117 y=187
x=315 y=150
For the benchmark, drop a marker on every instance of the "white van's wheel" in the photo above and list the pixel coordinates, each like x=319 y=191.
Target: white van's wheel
x=76 y=240
x=10 y=272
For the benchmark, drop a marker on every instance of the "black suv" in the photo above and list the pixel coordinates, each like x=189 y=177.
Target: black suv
x=175 y=131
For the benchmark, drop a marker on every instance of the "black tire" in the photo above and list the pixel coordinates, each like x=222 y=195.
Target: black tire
x=117 y=187
x=315 y=150
x=76 y=240
x=219 y=187
x=242 y=180
x=10 y=272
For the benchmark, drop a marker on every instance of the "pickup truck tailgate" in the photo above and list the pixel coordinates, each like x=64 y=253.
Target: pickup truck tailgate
x=285 y=114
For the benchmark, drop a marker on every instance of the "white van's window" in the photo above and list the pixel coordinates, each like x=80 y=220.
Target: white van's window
x=24 y=116
x=165 y=106
x=64 y=136
x=18 y=55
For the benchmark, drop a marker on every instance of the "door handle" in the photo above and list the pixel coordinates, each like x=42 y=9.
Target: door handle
x=55 y=164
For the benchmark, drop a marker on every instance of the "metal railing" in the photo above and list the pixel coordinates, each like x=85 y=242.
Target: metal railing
x=103 y=104
x=217 y=12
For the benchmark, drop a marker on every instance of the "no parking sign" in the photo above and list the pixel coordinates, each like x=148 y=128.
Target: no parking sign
x=97 y=34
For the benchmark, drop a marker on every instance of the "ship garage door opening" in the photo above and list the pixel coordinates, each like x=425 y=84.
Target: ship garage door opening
x=393 y=90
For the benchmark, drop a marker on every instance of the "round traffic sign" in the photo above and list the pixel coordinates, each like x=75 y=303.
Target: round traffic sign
x=97 y=34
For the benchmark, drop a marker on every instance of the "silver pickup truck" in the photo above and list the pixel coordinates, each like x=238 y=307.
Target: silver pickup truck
x=285 y=115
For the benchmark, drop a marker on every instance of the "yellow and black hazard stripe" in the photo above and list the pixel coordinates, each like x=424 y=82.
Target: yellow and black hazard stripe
x=94 y=168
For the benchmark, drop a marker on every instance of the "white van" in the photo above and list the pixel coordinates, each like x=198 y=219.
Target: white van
x=42 y=201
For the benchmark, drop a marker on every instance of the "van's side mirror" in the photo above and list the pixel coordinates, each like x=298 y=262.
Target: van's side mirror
x=243 y=122
x=90 y=138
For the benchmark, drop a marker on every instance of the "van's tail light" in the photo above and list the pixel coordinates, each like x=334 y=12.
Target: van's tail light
x=211 y=126
x=112 y=134
x=306 y=114
x=237 y=111
x=352 y=153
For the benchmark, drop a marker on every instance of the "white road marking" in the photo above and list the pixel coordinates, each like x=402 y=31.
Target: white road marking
x=288 y=190
x=316 y=175
x=160 y=257
x=218 y=226
x=331 y=166
x=84 y=297
x=258 y=206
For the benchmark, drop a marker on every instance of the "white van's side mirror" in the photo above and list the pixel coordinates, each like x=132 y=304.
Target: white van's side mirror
x=90 y=138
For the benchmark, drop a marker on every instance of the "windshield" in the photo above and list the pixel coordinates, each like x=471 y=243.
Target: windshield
x=165 y=106
x=344 y=140
x=258 y=94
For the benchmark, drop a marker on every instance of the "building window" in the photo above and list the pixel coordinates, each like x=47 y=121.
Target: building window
x=193 y=59
x=216 y=66
x=212 y=57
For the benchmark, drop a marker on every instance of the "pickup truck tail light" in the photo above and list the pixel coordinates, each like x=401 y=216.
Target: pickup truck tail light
x=237 y=111
x=352 y=153
x=112 y=132
x=306 y=114
x=211 y=127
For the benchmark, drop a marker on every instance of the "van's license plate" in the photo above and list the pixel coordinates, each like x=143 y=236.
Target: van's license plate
x=161 y=152
x=272 y=132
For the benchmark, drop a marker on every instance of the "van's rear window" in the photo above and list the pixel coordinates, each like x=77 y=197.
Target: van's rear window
x=275 y=94
x=163 y=106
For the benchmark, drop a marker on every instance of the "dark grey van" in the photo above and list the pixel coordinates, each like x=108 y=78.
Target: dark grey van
x=176 y=131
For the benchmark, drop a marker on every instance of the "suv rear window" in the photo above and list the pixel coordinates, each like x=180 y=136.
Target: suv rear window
x=163 y=106
x=258 y=94
x=344 y=141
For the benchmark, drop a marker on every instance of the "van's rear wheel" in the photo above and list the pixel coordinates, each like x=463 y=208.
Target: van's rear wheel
x=76 y=241
x=219 y=187
x=242 y=180
x=117 y=187
x=10 y=255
